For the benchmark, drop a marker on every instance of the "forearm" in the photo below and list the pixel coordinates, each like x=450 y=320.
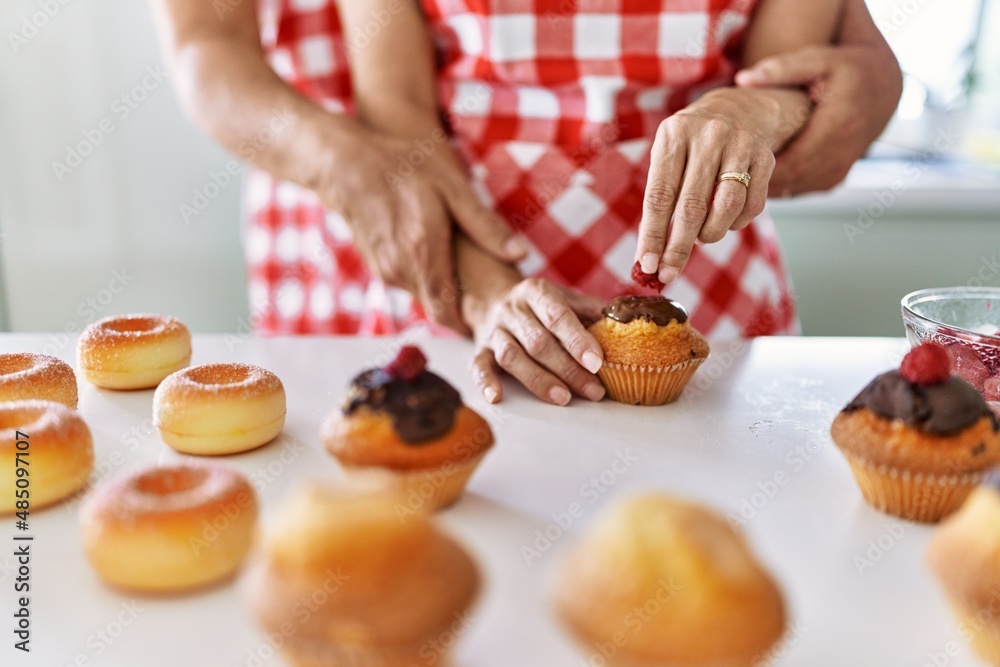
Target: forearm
x=782 y=26
x=393 y=75
x=227 y=88
x=858 y=28
x=398 y=113
x=236 y=98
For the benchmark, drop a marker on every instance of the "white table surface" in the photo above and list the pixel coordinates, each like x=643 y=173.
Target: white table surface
x=755 y=417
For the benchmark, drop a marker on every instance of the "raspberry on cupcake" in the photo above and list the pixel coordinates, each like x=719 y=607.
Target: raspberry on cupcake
x=919 y=439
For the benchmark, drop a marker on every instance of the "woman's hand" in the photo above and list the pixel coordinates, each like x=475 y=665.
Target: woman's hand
x=726 y=130
x=533 y=331
x=400 y=200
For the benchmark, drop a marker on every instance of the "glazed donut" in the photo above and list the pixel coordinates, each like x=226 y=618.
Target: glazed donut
x=170 y=528
x=54 y=443
x=25 y=376
x=219 y=408
x=133 y=351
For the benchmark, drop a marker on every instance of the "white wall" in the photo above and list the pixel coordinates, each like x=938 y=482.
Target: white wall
x=119 y=209
x=893 y=229
x=62 y=241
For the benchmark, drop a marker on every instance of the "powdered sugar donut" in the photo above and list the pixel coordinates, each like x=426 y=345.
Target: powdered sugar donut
x=170 y=528
x=52 y=448
x=25 y=376
x=133 y=351
x=219 y=408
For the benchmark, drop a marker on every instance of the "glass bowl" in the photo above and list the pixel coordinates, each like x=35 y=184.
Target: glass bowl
x=966 y=320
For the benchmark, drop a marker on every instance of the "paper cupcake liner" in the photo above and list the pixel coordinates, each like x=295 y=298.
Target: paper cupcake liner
x=916 y=496
x=430 y=489
x=647 y=385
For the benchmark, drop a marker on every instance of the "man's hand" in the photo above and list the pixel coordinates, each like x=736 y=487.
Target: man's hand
x=401 y=208
x=402 y=225
x=855 y=88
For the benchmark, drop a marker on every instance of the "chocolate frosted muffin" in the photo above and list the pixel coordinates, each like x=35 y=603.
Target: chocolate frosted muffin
x=412 y=423
x=650 y=349
x=421 y=409
x=918 y=439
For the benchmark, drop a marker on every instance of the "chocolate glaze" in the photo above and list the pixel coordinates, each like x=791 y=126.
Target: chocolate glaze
x=657 y=309
x=943 y=409
x=421 y=409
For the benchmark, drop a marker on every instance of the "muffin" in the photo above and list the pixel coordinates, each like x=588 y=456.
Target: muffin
x=344 y=582
x=964 y=554
x=406 y=420
x=918 y=439
x=666 y=582
x=650 y=349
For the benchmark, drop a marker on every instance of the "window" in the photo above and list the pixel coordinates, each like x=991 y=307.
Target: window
x=943 y=47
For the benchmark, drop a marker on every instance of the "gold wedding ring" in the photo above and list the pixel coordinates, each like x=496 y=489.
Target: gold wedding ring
x=741 y=176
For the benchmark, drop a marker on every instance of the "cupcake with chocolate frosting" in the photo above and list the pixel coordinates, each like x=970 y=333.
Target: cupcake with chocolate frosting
x=650 y=349
x=406 y=420
x=918 y=439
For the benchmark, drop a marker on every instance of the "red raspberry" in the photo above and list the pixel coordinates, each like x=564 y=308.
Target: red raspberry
x=408 y=364
x=968 y=364
x=646 y=279
x=927 y=363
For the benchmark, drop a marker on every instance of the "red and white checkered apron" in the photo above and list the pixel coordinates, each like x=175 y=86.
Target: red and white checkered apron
x=552 y=104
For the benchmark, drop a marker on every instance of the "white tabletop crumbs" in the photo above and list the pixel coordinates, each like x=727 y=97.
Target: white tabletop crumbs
x=749 y=438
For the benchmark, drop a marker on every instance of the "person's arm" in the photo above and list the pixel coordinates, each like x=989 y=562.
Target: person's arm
x=726 y=130
x=393 y=75
x=227 y=87
x=855 y=86
x=529 y=328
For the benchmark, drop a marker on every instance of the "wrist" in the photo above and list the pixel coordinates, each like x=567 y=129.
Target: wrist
x=483 y=281
x=794 y=109
x=403 y=117
x=477 y=299
x=773 y=115
x=338 y=154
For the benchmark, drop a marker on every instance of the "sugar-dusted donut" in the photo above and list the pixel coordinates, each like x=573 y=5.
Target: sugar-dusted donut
x=169 y=528
x=133 y=351
x=219 y=408
x=46 y=454
x=26 y=375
